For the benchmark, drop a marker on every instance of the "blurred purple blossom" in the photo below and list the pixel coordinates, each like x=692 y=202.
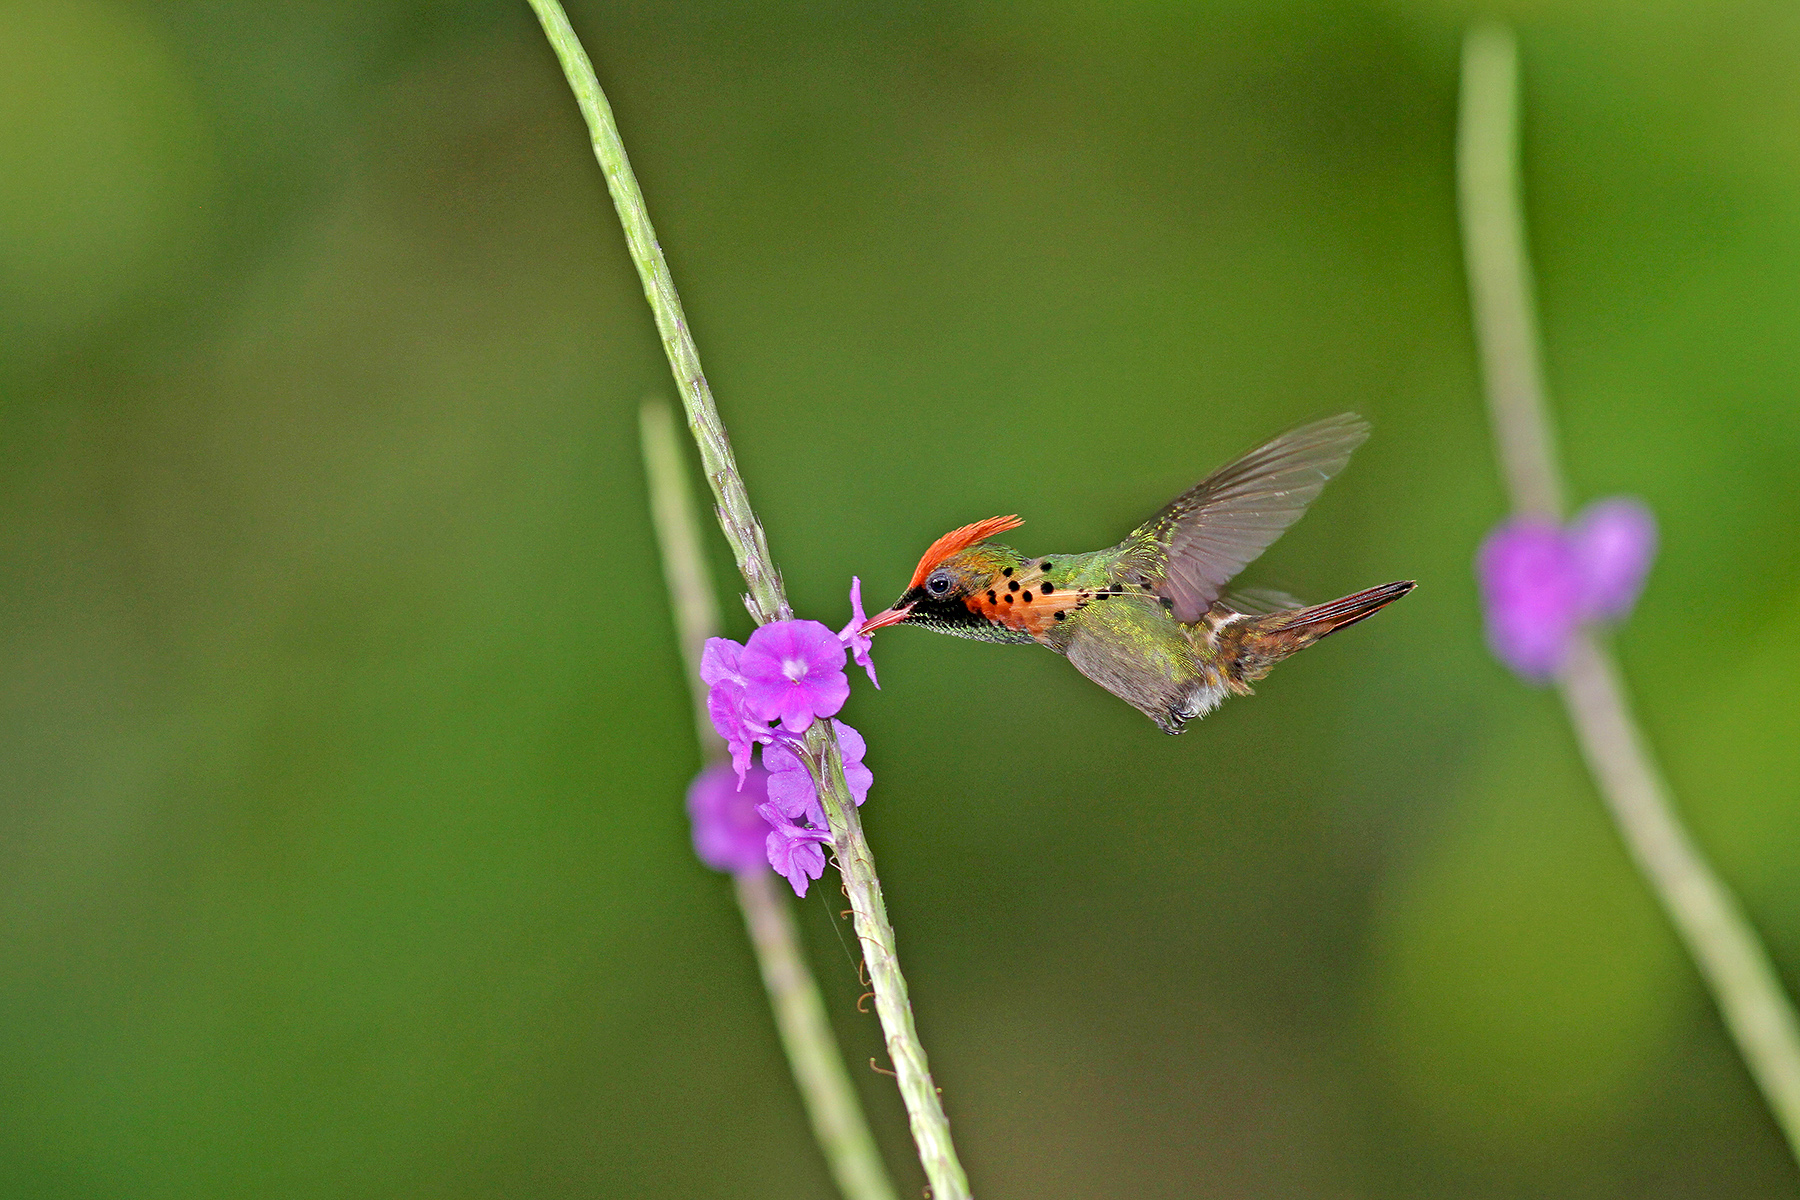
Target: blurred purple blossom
x=1615 y=542
x=729 y=834
x=1532 y=586
x=1540 y=583
x=852 y=637
x=793 y=671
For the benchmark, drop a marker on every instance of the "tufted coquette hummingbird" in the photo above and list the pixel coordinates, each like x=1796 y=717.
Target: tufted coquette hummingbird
x=1149 y=620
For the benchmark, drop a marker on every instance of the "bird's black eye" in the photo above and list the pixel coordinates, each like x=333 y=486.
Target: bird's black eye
x=939 y=583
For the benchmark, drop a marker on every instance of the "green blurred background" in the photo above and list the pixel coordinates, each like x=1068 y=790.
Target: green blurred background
x=341 y=847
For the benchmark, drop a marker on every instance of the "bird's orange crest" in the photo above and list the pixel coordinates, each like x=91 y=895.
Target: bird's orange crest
x=960 y=539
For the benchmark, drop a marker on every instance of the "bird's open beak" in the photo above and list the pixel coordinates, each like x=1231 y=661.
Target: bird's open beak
x=892 y=616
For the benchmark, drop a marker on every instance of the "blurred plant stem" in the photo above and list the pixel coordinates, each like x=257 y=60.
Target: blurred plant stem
x=767 y=602
x=831 y=1104
x=1705 y=914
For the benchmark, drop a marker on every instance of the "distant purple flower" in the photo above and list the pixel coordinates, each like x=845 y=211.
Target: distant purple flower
x=793 y=850
x=793 y=671
x=1532 y=584
x=853 y=637
x=791 y=789
x=1540 y=583
x=1615 y=540
x=729 y=833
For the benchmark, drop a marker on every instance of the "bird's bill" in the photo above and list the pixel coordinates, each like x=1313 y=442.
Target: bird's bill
x=892 y=616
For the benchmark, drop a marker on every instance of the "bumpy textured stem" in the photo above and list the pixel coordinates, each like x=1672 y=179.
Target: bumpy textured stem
x=924 y=1109
x=831 y=1104
x=1707 y=917
x=767 y=602
x=837 y=1119
x=742 y=529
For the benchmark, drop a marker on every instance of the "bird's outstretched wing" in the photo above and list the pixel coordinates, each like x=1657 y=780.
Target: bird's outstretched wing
x=1207 y=534
x=1259 y=602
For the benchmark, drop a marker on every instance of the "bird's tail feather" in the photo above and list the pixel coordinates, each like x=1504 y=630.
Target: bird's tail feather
x=1321 y=619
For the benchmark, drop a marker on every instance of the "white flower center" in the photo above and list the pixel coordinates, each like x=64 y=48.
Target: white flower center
x=794 y=669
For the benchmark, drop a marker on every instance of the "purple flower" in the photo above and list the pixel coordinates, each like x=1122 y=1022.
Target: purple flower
x=721 y=662
x=720 y=671
x=1615 y=541
x=725 y=705
x=793 y=671
x=853 y=637
x=793 y=850
x=791 y=790
x=1533 y=586
x=1540 y=583
x=729 y=833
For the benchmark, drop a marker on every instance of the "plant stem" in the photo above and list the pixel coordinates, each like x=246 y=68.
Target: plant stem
x=684 y=562
x=767 y=602
x=831 y=1104
x=1705 y=914
x=745 y=533
x=1487 y=176
x=1732 y=961
x=837 y=1118
x=925 y=1111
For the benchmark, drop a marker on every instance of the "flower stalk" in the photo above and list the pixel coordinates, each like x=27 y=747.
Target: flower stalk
x=767 y=602
x=831 y=1105
x=1706 y=916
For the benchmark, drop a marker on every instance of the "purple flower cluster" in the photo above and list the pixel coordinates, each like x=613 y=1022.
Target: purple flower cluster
x=1540 y=582
x=768 y=691
x=729 y=834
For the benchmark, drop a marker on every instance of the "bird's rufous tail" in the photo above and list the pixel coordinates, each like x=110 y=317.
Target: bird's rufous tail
x=1250 y=648
x=1321 y=619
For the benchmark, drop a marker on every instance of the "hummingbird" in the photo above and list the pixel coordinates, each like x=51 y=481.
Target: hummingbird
x=1149 y=620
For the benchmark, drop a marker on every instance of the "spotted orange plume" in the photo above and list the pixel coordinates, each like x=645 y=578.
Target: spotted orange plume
x=960 y=539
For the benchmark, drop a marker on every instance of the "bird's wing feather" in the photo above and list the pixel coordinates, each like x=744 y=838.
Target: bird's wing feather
x=1259 y=602
x=1207 y=534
